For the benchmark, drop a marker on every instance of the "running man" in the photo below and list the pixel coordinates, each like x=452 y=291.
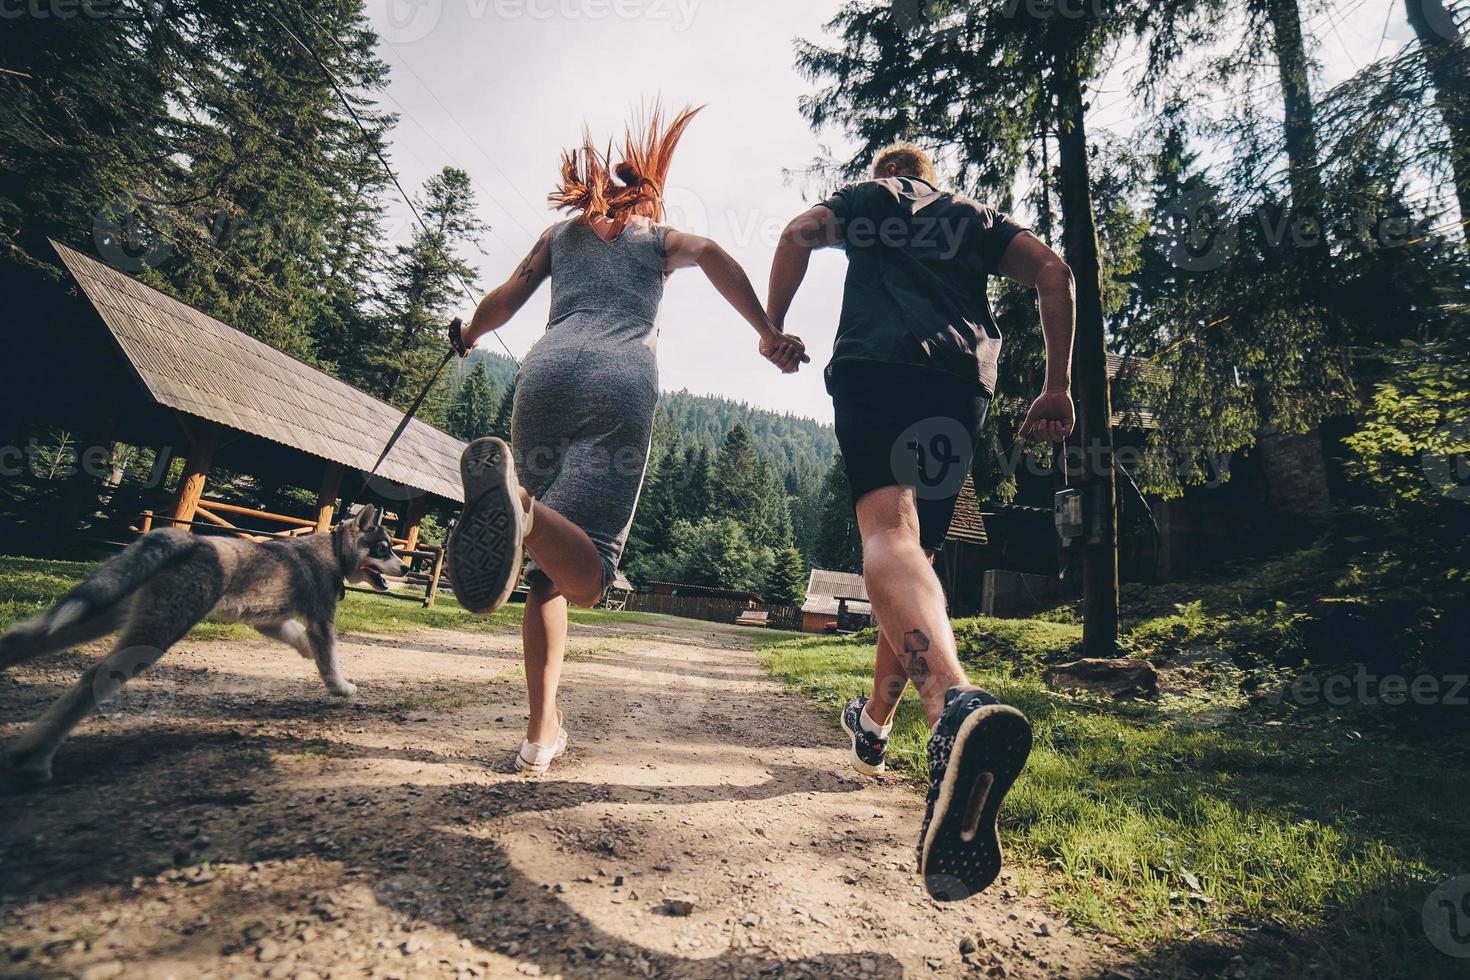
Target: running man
x=912 y=374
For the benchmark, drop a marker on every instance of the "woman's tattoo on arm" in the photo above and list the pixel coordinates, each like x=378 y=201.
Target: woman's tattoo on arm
x=528 y=267
x=915 y=645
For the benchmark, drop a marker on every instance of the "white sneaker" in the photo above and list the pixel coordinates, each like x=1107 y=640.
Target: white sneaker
x=538 y=758
x=485 y=548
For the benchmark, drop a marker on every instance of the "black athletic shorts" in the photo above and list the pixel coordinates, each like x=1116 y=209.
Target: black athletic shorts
x=907 y=426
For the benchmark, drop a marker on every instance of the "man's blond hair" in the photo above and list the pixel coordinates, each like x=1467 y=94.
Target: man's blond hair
x=910 y=160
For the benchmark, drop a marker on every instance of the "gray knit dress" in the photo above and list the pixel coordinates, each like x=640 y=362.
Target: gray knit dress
x=582 y=421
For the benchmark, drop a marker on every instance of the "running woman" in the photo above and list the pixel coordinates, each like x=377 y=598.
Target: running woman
x=567 y=487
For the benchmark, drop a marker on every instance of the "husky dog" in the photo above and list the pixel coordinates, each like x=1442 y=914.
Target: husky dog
x=163 y=584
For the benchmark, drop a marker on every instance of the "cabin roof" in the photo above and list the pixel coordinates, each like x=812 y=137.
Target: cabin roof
x=193 y=363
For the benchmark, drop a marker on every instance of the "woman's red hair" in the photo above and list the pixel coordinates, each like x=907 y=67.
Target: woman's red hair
x=590 y=184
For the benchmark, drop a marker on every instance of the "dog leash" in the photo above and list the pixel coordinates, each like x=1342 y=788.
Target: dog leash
x=456 y=349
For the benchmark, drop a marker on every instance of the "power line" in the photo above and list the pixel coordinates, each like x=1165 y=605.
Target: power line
x=387 y=168
x=409 y=116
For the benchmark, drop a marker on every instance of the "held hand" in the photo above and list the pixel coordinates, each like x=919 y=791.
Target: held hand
x=1051 y=417
x=785 y=351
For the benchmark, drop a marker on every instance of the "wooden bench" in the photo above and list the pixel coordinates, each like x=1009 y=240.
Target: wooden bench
x=752 y=618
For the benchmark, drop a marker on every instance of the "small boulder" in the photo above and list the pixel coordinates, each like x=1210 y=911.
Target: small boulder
x=1119 y=678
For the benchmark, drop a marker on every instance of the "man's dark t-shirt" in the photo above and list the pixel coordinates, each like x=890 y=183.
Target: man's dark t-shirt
x=919 y=261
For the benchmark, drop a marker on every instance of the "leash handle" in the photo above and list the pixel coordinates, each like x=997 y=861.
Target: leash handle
x=456 y=338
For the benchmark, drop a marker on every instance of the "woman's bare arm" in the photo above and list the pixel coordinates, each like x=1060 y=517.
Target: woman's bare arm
x=506 y=300
x=685 y=251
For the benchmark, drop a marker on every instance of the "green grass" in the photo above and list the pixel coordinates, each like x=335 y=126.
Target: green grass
x=29 y=586
x=1190 y=818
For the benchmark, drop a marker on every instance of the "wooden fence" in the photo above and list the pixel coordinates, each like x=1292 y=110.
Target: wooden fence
x=426 y=562
x=714 y=610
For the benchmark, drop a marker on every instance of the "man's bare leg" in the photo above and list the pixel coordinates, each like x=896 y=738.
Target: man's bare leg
x=907 y=598
x=889 y=681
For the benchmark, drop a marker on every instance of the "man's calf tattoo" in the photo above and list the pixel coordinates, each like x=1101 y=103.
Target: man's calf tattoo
x=915 y=645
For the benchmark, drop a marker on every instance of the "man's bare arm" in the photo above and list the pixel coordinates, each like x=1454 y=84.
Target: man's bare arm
x=817 y=228
x=1030 y=262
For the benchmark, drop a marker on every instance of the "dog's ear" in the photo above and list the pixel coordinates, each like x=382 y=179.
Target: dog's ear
x=367 y=518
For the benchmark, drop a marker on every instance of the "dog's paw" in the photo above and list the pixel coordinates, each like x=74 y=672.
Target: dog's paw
x=342 y=689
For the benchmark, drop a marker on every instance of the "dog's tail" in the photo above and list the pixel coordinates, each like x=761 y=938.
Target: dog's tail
x=112 y=582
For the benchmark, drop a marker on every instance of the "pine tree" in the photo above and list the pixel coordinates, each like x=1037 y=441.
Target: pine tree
x=82 y=110
x=659 y=507
x=274 y=165
x=504 y=414
x=786 y=584
x=696 y=499
x=425 y=284
x=472 y=414
x=839 y=544
x=736 y=478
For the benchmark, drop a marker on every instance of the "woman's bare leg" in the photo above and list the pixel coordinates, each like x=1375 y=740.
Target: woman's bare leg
x=570 y=569
x=563 y=551
x=544 y=638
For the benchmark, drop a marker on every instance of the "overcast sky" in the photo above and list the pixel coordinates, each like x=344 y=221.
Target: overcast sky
x=500 y=87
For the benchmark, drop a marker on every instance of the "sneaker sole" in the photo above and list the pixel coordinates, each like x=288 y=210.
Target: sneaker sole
x=961 y=854
x=857 y=761
x=485 y=548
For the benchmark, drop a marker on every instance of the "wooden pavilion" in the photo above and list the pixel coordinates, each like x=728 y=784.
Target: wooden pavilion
x=133 y=365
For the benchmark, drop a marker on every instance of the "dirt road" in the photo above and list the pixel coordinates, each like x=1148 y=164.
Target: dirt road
x=226 y=818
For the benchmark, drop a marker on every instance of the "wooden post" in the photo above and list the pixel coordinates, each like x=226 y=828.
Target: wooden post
x=79 y=496
x=196 y=469
x=435 y=572
x=413 y=515
x=326 y=497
